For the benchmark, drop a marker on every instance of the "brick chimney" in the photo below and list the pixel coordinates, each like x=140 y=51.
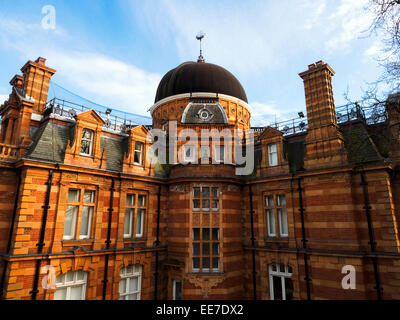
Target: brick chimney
x=36 y=82
x=324 y=142
x=29 y=95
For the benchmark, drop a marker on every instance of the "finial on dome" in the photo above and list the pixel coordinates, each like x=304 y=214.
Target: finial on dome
x=200 y=36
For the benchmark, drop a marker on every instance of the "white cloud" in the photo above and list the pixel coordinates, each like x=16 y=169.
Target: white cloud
x=349 y=22
x=265 y=114
x=110 y=81
x=3 y=97
x=318 y=9
x=249 y=38
x=103 y=79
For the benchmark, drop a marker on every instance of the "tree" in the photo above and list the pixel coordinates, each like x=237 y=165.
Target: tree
x=387 y=19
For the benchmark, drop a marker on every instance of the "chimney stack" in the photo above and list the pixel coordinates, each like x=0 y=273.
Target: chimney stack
x=37 y=82
x=324 y=142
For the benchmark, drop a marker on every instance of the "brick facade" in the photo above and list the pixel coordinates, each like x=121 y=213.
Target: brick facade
x=35 y=146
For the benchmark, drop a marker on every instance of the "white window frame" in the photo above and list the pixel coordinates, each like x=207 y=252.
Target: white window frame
x=192 y=158
x=74 y=283
x=90 y=142
x=132 y=214
x=143 y=212
x=86 y=236
x=282 y=233
x=281 y=203
x=80 y=205
x=273 y=155
x=137 y=272
x=74 y=220
x=279 y=274
x=140 y=152
x=73 y=223
x=270 y=213
x=91 y=210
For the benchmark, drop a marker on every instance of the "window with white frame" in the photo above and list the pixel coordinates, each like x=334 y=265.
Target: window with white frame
x=138 y=157
x=270 y=215
x=189 y=154
x=273 y=155
x=79 y=212
x=275 y=210
x=87 y=142
x=71 y=286
x=131 y=282
x=280 y=282
x=282 y=216
x=134 y=215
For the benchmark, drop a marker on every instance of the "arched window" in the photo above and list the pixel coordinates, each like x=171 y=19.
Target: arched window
x=71 y=286
x=131 y=282
x=280 y=282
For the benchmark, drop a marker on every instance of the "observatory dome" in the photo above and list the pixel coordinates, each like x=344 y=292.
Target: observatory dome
x=191 y=77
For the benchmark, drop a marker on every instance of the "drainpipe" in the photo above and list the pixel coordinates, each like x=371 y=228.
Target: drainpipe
x=157 y=242
x=3 y=278
x=41 y=243
x=253 y=244
x=108 y=241
x=304 y=240
x=372 y=242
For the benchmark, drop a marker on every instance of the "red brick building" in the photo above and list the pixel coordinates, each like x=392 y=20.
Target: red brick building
x=87 y=213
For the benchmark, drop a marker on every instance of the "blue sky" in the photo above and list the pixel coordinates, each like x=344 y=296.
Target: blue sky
x=116 y=52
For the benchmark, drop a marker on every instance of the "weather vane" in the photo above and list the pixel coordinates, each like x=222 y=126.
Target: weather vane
x=200 y=36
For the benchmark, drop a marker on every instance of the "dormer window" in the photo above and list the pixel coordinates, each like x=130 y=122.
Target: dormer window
x=138 y=153
x=273 y=155
x=87 y=142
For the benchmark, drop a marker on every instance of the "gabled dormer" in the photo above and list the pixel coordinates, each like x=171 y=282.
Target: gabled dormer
x=84 y=149
x=273 y=157
x=136 y=160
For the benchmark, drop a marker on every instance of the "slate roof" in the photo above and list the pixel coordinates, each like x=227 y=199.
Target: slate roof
x=50 y=142
x=361 y=149
x=115 y=150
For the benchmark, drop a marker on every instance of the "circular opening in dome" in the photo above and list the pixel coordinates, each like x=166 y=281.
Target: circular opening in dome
x=204 y=115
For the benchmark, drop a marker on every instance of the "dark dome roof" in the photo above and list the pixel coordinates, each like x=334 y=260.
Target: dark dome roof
x=199 y=77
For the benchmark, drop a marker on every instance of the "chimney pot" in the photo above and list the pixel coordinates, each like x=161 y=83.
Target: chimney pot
x=41 y=61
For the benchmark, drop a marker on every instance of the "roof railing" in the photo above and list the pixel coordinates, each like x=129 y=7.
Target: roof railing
x=120 y=121
x=69 y=110
x=345 y=113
